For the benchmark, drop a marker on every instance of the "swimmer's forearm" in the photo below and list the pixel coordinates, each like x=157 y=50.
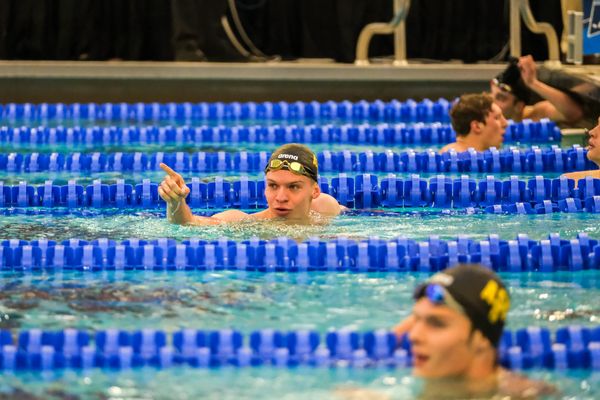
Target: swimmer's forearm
x=181 y=214
x=564 y=104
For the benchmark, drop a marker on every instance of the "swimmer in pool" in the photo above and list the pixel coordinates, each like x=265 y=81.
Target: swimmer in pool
x=454 y=330
x=593 y=155
x=512 y=88
x=478 y=123
x=292 y=192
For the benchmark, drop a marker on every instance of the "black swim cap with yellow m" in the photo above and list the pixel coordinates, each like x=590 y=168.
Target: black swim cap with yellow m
x=479 y=293
x=295 y=158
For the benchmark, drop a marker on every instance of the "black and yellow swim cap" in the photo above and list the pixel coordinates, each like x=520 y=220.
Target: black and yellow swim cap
x=296 y=158
x=477 y=290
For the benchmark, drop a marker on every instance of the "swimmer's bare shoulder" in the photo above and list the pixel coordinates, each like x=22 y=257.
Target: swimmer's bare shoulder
x=452 y=146
x=327 y=205
x=520 y=387
x=578 y=175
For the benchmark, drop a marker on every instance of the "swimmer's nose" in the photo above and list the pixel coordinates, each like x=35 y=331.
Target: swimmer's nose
x=281 y=195
x=415 y=334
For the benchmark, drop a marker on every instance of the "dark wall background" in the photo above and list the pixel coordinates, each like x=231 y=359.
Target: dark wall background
x=468 y=30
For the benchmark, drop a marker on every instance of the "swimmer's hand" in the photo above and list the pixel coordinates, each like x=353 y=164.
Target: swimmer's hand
x=172 y=189
x=528 y=70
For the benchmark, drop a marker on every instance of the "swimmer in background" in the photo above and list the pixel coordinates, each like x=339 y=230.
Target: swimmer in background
x=593 y=155
x=512 y=88
x=292 y=192
x=455 y=328
x=478 y=123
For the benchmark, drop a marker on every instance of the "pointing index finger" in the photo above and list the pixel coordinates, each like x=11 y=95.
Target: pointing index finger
x=168 y=170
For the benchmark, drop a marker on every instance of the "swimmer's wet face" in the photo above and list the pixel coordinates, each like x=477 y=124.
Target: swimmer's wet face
x=289 y=195
x=458 y=319
x=511 y=107
x=442 y=341
x=494 y=128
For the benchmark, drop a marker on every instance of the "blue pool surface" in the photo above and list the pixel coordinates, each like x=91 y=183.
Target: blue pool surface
x=88 y=224
x=250 y=383
x=252 y=301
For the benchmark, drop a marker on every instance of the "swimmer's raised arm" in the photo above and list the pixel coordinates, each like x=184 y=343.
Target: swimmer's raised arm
x=557 y=105
x=173 y=191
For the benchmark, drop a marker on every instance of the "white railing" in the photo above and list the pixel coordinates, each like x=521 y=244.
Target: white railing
x=396 y=27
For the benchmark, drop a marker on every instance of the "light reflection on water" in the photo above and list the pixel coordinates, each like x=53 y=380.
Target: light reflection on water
x=387 y=224
x=250 y=301
x=250 y=383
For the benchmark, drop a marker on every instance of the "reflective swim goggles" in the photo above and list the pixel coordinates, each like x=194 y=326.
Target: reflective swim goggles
x=438 y=295
x=503 y=86
x=293 y=166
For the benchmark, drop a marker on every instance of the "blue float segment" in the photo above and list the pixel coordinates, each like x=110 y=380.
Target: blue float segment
x=587 y=187
x=535 y=343
x=392 y=194
x=366 y=193
x=342 y=188
x=464 y=192
x=570 y=205
x=415 y=192
x=342 y=344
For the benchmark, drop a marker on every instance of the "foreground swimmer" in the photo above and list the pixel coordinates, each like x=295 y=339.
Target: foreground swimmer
x=593 y=155
x=454 y=330
x=478 y=123
x=292 y=192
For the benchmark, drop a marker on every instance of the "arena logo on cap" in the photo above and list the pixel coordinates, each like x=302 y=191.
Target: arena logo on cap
x=288 y=156
x=497 y=298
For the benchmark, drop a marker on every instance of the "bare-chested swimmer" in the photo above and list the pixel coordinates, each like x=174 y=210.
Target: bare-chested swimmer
x=292 y=192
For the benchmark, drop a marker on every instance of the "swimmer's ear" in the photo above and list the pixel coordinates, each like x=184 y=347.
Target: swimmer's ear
x=479 y=342
x=476 y=126
x=316 y=191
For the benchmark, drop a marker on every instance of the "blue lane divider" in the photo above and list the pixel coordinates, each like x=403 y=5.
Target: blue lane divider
x=492 y=161
x=376 y=134
x=537 y=195
x=570 y=347
x=284 y=254
x=409 y=111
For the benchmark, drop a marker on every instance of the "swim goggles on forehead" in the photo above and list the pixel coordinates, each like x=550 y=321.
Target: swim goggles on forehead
x=438 y=295
x=503 y=86
x=293 y=166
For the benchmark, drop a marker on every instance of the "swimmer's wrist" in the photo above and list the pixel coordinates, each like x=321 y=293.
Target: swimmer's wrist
x=174 y=208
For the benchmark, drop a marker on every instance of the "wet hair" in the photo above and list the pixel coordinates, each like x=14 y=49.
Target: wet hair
x=469 y=108
x=299 y=153
x=510 y=81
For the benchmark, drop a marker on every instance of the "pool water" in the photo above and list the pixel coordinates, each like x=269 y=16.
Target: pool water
x=246 y=301
x=88 y=224
x=249 y=383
